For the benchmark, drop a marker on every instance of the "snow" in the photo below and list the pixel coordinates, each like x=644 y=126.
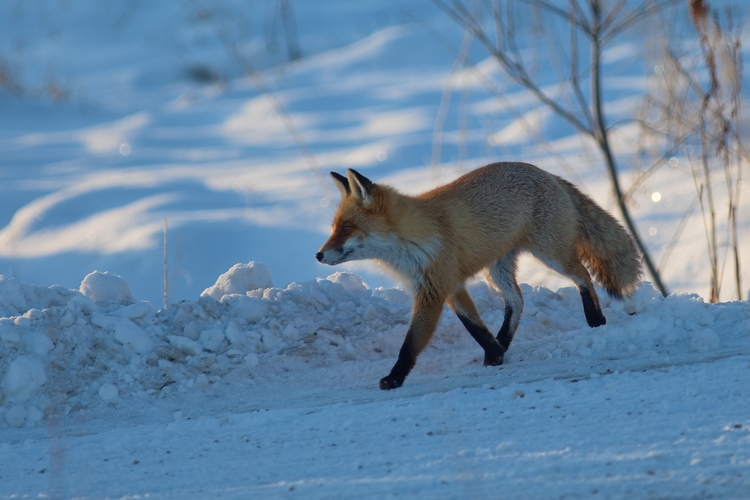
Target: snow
x=239 y=279
x=246 y=386
x=108 y=392
x=656 y=401
x=101 y=287
x=24 y=377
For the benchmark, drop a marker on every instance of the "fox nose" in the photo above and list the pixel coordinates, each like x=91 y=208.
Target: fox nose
x=319 y=256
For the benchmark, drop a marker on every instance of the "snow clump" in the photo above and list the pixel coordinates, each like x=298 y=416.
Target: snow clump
x=240 y=279
x=25 y=376
x=101 y=287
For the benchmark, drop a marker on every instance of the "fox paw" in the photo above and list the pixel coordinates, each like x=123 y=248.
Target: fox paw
x=493 y=359
x=388 y=383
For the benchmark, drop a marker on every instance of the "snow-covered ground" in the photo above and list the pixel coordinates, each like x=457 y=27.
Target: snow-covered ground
x=273 y=393
x=119 y=116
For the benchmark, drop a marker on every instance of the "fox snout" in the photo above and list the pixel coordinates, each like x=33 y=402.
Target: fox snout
x=329 y=257
x=334 y=254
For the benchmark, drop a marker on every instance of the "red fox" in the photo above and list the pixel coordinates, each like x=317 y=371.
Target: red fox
x=483 y=220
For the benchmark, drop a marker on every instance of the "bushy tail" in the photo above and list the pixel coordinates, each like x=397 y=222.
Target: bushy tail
x=605 y=247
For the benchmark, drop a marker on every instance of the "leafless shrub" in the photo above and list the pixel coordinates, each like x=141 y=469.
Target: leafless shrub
x=694 y=105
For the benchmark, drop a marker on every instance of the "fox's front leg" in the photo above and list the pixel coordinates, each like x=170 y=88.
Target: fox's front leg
x=424 y=319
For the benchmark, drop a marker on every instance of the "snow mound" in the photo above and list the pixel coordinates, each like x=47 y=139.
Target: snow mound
x=351 y=282
x=101 y=287
x=68 y=347
x=240 y=279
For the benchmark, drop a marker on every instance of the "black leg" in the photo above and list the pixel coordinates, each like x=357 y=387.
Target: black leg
x=594 y=315
x=502 y=276
x=493 y=351
x=400 y=370
x=504 y=336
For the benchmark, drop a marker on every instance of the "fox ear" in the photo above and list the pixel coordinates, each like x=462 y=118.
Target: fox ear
x=342 y=183
x=361 y=187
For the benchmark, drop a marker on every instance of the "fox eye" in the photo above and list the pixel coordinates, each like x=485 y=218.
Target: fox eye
x=346 y=229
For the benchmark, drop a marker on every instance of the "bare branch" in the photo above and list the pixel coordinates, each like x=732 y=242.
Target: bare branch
x=647 y=8
x=579 y=19
x=574 y=82
x=515 y=70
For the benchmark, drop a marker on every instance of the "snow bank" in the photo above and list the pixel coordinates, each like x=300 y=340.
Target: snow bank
x=73 y=350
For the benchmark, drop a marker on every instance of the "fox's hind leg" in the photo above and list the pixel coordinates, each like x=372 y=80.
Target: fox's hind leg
x=591 y=308
x=573 y=269
x=502 y=275
x=464 y=308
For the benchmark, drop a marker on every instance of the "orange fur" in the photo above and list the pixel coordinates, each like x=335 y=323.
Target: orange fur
x=481 y=221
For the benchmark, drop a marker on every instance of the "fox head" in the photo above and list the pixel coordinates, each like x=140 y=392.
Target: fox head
x=360 y=224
